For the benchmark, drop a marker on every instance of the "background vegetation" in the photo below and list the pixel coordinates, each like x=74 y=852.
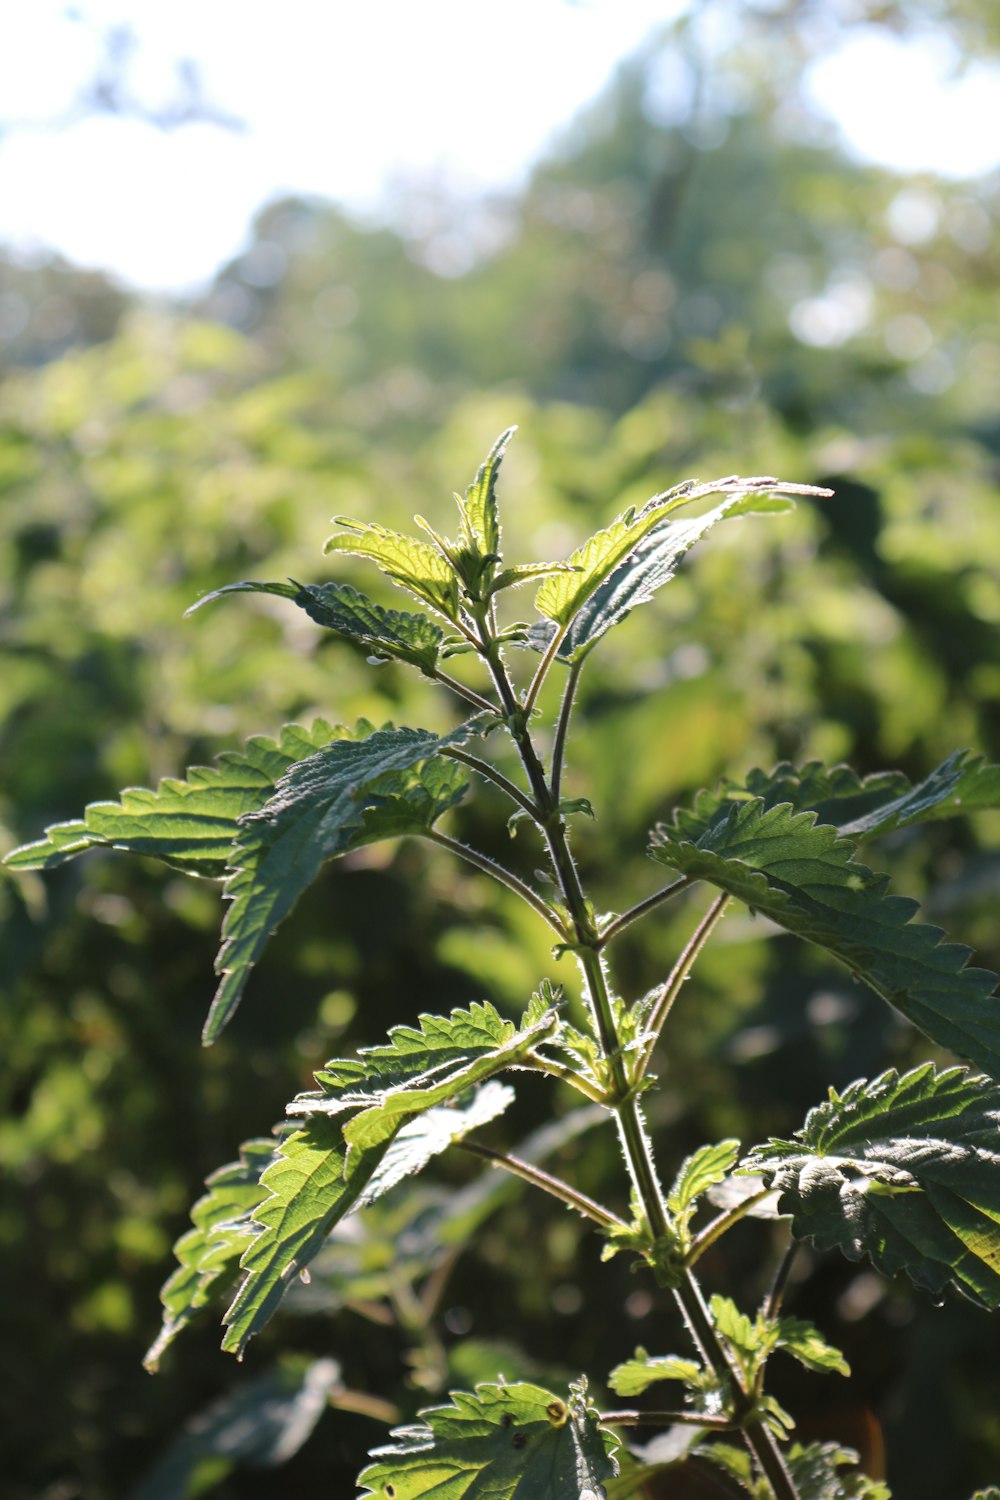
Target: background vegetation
x=712 y=292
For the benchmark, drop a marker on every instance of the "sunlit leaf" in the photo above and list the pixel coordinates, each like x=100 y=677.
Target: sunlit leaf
x=480 y=518
x=634 y=1376
x=351 y=793
x=192 y=823
x=505 y=1442
x=803 y=876
x=561 y=597
x=703 y=1169
x=904 y=1170
x=409 y=562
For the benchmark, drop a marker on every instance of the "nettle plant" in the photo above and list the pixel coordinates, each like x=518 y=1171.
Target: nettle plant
x=903 y=1168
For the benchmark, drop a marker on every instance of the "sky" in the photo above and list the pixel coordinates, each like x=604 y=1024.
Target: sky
x=342 y=100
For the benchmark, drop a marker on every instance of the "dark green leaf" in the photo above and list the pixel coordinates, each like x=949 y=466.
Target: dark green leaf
x=903 y=1170
x=819 y=1472
x=505 y=1442
x=261 y=1424
x=802 y=875
x=192 y=823
x=351 y=793
x=336 y=606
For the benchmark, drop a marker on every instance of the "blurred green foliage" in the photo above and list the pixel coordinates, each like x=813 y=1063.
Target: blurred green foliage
x=656 y=304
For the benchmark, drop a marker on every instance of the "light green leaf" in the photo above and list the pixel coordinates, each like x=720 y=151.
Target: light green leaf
x=480 y=518
x=636 y=1375
x=904 y=1170
x=313 y=1183
x=419 y=1068
x=336 y=606
x=209 y=1253
x=805 y=1343
x=260 y=1425
x=802 y=875
x=505 y=1442
x=561 y=596
x=703 y=1169
x=192 y=823
x=409 y=562
x=351 y=793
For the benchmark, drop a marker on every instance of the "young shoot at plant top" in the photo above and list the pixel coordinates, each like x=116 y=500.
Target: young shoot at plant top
x=902 y=1169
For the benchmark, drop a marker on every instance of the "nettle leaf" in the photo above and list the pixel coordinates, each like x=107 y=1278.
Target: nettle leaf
x=209 y=1253
x=190 y=824
x=261 y=1424
x=859 y=807
x=409 y=562
x=480 y=517
x=419 y=1068
x=505 y=1442
x=314 y=1182
x=805 y=1343
x=803 y=876
x=636 y=1375
x=703 y=1169
x=407 y=637
x=350 y=793
x=562 y=596
x=904 y=1170
x=820 y=1472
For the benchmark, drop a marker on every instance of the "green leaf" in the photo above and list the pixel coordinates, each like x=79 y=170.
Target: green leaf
x=209 y=1253
x=336 y=606
x=261 y=1424
x=818 y=1473
x=904 y=1170
x=505 y=1442
x=419 y=1068
x=313 y=1183
x=802 y=875
x=563 y=595
x=190 y=824
x=805 y=1343
x=351 y=793
x=859 y=808
x=480 y=518
x=703 y=1169
x=409 y=562
x=636 y=1375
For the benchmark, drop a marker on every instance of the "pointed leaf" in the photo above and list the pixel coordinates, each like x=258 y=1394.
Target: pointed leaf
x=505 y=1442
x=192 y=823
x=703 y=1169
x=636 y=1375
x=313 y=1183
x=261 y=1424
x=803 y=876
x=480 y=519
x=409 y=562
x=351 y=793
x=336 y=606
x=818 y=1472
x=805 y=1343
x=904 y=1170
x=563 y=595
x=209 y=1253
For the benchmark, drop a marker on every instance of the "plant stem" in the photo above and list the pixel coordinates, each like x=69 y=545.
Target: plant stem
x=562 y=725
x=772 y=1306
x=365 y=1405
x=725 y=1221
x=492 y=774
x=542 y=669
x=633 y=914
x=554 y=1186
x=499 y=872
x=662 y=1419
x=677 y=976
x=469 y=694
x=566 y=1075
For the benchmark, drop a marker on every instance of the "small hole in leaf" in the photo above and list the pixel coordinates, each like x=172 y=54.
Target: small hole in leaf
x=519 y=1440
x=390 y=1492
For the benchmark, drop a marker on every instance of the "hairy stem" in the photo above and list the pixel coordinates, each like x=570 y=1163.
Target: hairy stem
x=566 y=1075
x=562 y=726
x=492 y=774
x=719 y=1226
x=663 y=1419
x=666 y=893
x=675 y=980
x=469 y=694
x=772 y=1305
x=499 y=872
x=554 y=1186
x=542 y=669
